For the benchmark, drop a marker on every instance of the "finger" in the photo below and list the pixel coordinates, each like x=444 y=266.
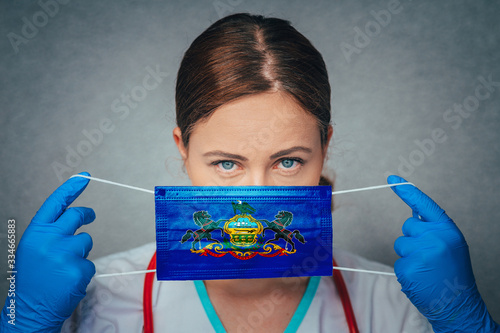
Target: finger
x=79 y=245
x=60 y=199
x=73 y=218
x=408 y=268
x=400 y=269
x=418 y=201
x=403 y=246
x=80 y=272
x=406 y=246
x=88 y=271
x=413 y=227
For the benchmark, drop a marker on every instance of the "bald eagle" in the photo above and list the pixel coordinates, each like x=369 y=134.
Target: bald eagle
x=243 y=207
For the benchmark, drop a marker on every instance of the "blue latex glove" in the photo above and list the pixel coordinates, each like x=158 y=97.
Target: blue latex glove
x=435 y=269
x=52 y=272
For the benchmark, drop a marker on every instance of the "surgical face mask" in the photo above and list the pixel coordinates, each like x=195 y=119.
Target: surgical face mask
x=228 y=232
x=243 y=232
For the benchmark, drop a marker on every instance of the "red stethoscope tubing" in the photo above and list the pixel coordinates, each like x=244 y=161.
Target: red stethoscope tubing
x=147 y=304
x=147 y=300
x=346 y=300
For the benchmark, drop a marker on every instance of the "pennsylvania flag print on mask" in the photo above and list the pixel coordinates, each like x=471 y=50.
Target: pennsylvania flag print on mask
x=243 y=232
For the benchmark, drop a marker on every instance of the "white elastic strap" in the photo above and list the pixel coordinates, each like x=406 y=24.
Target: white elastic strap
x=114 y=183
x=337 y=268
x=152 y=192
x=333 y=193
x=370 y=188
x=126 y=273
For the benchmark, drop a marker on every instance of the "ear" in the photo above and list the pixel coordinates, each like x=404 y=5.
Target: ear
x=180 y=145
x=328 y=138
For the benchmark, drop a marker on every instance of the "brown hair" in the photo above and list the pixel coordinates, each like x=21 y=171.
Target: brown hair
x=243 y=54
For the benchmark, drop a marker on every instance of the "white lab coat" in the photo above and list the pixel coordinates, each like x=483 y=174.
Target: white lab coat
x=114 y=304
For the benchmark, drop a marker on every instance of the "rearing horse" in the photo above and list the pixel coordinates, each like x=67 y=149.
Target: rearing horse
x=283 y=220
x=202 y=220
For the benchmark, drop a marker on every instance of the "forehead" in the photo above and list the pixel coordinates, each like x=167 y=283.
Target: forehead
x=257 y=123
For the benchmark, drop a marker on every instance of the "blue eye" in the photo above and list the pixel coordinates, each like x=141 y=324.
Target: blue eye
x=227 y=165
x=287 y=164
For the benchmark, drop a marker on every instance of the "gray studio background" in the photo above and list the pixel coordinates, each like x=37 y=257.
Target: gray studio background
x=67 y=78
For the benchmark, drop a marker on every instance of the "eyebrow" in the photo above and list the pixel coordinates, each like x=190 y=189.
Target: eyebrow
x=224 y=154
x=289 y=151
x=243 y=158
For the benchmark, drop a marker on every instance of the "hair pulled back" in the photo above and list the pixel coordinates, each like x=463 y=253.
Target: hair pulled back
x=243 y=54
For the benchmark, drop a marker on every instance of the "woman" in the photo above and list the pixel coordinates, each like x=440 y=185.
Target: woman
x=253 y=108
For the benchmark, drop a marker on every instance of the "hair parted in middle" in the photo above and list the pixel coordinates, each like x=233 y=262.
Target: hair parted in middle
x=243 y=54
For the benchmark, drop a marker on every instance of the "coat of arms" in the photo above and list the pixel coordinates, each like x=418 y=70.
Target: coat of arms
x=243 y=236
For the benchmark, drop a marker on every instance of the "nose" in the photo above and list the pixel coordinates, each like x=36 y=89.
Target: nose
x=257 y=178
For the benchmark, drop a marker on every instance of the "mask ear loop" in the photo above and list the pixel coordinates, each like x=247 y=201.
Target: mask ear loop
x=114 y=183
x=333 y=193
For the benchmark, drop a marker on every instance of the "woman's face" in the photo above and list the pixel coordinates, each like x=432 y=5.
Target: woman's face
x=264 y=139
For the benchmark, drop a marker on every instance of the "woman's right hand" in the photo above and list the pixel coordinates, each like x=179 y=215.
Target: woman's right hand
x=52 y=269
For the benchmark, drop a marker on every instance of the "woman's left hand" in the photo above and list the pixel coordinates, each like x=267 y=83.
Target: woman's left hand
x=435 y=269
